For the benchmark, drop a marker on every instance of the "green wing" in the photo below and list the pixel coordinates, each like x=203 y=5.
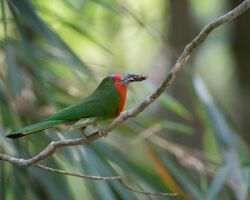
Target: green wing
x=101 y=104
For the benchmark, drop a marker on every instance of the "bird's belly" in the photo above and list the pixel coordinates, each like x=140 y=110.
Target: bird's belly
x=78 y=124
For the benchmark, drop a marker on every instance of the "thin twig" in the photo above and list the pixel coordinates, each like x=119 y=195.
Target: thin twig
x=104 y=178
x=182 y=152
x=146 y=193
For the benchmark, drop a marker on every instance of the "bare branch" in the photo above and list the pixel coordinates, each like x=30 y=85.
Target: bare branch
x=104 y=178
x=147 y=193
x=181 y=62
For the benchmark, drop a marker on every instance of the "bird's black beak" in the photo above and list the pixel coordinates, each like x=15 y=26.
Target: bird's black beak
x=128 y=78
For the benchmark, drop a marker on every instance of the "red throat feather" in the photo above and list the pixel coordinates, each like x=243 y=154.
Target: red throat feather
x=122 y=89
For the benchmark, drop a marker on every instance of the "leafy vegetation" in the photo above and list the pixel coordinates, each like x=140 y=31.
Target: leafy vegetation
x=54 y=53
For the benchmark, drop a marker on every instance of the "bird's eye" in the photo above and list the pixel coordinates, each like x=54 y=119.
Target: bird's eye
x=111 y=80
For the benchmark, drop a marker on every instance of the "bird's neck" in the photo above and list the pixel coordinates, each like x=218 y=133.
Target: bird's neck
x=122 y=89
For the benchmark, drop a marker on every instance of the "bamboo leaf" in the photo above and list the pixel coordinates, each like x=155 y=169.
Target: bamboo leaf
x=172 y=104
x=218 y=183
x=27 y=11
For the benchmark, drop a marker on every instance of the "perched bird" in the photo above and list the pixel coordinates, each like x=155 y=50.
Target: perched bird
x=107 y=101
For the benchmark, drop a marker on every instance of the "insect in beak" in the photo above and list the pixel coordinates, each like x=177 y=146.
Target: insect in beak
x=128 y=78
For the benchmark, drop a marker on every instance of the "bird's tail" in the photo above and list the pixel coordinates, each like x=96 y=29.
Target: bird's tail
x=33 y=128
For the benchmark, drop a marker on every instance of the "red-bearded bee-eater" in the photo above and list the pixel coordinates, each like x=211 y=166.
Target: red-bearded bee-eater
x=107 y=101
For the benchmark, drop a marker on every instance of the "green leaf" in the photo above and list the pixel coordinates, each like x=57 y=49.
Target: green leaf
x=14 y=74
x=217 y=121
x=172 y=104
x=181 y=176
x=77 y=28
x=218 y=183
x=228 y=143
x=175 y=106
x=95 y=166
x=27 y=11
x=178 y=127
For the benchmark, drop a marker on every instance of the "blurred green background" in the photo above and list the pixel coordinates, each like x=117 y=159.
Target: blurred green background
x=193 y=140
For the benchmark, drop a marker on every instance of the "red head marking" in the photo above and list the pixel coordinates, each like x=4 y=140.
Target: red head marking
x=117 y=77
x=122 y=89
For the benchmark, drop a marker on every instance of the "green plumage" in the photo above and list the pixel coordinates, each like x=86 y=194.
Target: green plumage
x=102 y=103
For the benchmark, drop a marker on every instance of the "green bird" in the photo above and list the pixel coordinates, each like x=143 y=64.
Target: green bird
x=107 y=101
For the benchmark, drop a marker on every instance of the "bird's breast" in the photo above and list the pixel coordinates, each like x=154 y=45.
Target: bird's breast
x=122 y=89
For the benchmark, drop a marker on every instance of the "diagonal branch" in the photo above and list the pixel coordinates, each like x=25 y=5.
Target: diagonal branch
x=104 y=178
x=181 y=62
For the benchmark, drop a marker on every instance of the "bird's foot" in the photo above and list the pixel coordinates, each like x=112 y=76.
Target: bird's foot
x=82 y=132
x=102 y=133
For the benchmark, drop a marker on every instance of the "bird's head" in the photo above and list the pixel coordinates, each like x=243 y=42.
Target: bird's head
x=127 y=78
x=121 y=80
x=119 y=83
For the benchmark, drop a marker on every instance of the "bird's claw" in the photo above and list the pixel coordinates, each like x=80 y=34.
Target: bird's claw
x=82 y=132
x=102 y=133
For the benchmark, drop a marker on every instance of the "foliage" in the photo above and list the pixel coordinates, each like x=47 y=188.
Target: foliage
x=49 y=51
